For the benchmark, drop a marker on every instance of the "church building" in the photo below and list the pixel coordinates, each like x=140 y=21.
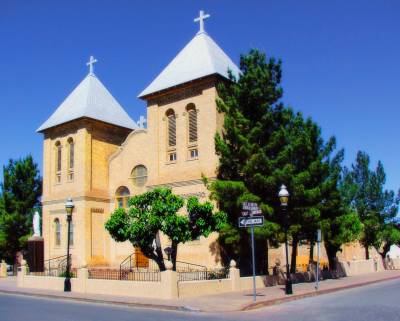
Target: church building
x=96 y=154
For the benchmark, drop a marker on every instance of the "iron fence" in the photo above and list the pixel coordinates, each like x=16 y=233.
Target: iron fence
x=127 y=275
x=201 y=275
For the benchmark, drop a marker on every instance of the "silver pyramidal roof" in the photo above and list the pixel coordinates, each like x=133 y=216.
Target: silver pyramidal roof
x=199 y=58
x=90 y=99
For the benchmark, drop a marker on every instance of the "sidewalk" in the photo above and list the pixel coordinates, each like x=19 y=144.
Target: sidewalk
x=227 y=302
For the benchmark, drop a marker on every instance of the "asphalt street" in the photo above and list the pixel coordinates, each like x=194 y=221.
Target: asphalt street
x=378 y=302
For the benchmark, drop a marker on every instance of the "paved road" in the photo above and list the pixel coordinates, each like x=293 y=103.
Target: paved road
x=379 y=302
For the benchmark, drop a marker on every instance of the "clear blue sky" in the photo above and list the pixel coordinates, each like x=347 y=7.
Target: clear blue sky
x=341 y=60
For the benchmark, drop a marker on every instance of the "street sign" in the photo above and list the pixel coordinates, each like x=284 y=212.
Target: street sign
x=251 y=221
x=250 y=208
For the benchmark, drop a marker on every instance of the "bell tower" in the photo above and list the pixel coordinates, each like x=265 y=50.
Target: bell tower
x=79 y=137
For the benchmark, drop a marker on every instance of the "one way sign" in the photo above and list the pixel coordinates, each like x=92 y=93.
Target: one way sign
x=251 y=221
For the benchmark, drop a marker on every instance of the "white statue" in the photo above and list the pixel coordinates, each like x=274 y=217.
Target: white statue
x=36 y=224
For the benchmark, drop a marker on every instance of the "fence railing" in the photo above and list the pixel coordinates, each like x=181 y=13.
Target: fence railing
x=56 y=267
x=54 y=272
x=127 y=275
x=201 y=275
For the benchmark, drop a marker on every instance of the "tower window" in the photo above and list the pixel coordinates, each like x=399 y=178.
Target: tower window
x=71 y=159
x=172 y=157
x=193 y=153
x=58 y=161
x=171 y=128
x=192 y=123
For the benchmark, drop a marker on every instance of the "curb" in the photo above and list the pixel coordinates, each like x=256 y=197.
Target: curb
x=103 y=302
x=262 y=304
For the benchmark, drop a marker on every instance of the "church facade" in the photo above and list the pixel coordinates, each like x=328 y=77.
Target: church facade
x=96 y=154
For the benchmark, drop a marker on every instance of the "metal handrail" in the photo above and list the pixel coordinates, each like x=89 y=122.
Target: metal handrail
x=62 y=258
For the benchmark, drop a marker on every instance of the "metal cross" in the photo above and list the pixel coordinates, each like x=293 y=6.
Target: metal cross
x=90 y=63
x=201 y=19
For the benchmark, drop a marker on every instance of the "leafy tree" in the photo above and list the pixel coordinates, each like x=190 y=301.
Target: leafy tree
x=263 y=144
x=340 y=224
x=376 y=207
x=20 y=193
x=156 y=212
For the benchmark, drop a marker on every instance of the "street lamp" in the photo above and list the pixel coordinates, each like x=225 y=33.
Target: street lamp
x=284 y=199
x=69 y=207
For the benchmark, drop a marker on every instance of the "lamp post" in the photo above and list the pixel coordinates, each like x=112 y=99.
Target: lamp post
x=284 y=199
x=69 y=207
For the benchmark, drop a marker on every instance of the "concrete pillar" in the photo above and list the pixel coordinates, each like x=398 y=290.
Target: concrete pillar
x=3 y=269
x=80 y=284
x=234 y=276
x=169 y=282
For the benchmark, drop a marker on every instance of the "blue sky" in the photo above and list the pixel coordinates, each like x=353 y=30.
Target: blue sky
x=341 y=60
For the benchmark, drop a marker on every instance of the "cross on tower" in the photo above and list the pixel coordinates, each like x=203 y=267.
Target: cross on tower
x=90 y=63
x=201 y=19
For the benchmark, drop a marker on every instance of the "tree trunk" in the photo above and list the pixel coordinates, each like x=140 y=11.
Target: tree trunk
x=366 y=252
x=295 y=242
x=160 y=257
x=385 y=250
x=331 y=253
x=311 y=258
x=174 y=253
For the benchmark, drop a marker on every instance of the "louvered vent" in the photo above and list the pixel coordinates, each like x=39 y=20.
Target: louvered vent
x=192 y=125
x=171 y=130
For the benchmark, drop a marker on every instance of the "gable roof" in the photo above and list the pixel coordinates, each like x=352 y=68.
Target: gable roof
x=90 y=99
x=199 y=58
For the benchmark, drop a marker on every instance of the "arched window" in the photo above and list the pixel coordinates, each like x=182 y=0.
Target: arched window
x=57 y=232
x=171 y=128
x=192 y=123
x=171 y=133
x=122 y=196
x=192 y=131
x=58 y=161
x=139 y=175
x=71 y=159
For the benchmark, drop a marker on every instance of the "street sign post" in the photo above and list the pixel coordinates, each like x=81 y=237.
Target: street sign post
x=250 y=219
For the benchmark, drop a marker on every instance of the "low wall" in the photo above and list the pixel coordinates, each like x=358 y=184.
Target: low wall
x=169 y=288
x=361 y=266
x=44 y=282
x=246 y=283
x=189 y=289
x=125 y=288
x=164 y=289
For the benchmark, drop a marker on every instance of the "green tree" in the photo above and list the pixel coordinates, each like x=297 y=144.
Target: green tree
x=20 y=193
x=262 y=145
x=339 y=222
x=376 y=207
x=156 y=212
